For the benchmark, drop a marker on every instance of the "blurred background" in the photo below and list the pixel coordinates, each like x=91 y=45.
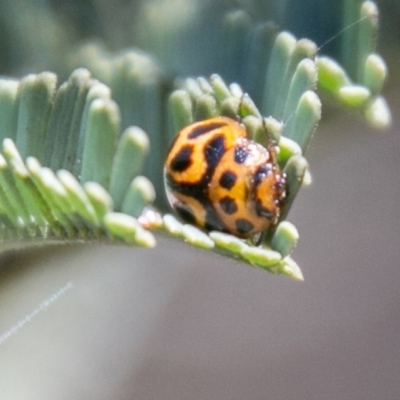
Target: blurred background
x=102 y=322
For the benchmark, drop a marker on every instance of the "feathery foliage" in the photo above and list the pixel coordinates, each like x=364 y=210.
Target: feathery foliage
x=75 y=162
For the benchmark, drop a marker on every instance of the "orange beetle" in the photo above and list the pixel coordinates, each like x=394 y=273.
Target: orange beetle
x=218 y=179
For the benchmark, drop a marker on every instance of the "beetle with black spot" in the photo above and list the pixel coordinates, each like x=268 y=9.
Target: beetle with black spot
x=219 y=179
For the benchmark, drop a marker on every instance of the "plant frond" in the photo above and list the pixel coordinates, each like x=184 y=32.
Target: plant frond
x=91 y=169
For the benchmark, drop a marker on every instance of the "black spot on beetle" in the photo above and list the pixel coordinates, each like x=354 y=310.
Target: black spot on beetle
x=261 y=173
x=228 y=205
x=183 y=159
x=241 y=154
x=263 y=211
x=244 y=226
x=214 y=150
x=203 y=129
x=185 y=212
x=212 y=223
x=197 y=190
x=228 y=180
